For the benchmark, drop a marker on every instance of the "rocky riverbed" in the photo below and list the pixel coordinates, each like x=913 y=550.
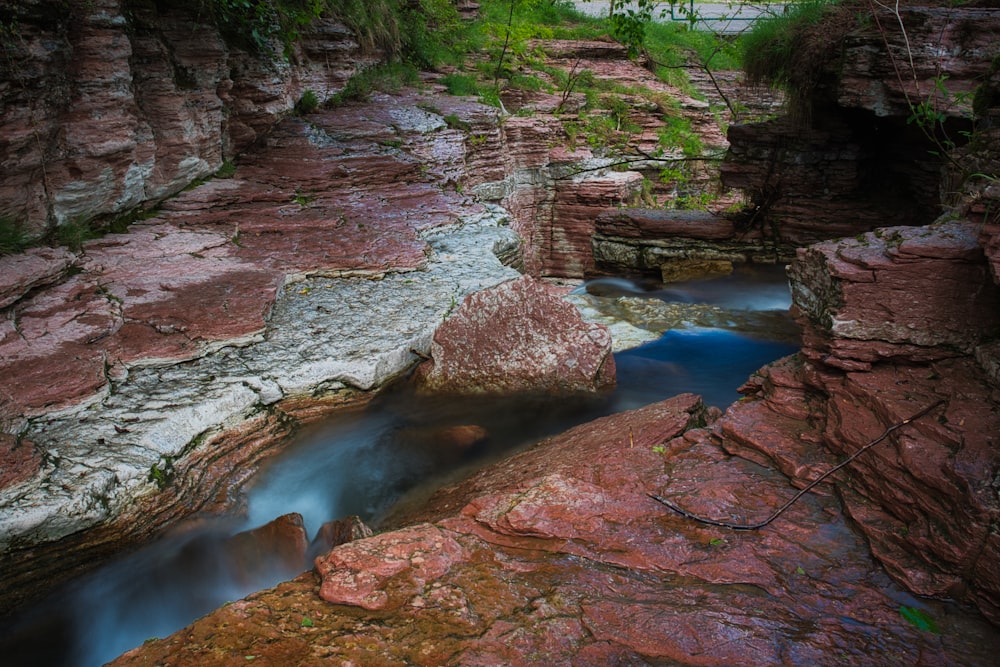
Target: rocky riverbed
x=200 y=340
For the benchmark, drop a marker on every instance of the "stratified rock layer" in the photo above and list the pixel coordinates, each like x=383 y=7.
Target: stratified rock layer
x=558 y=554
x=886 y=98
x=894 y=322
x=554 y=183
x=113 y=105
x=147 y=376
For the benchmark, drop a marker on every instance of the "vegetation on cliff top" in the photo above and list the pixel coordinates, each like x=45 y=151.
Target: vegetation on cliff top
x=789 y=51
x=800 y=52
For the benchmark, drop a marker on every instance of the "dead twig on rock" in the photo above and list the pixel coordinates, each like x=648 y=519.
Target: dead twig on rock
x=809 y=487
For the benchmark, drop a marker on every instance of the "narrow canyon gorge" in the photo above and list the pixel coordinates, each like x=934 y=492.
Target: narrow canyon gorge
x=262 y=269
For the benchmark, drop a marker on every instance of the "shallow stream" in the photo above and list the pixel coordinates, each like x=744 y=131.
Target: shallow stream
x=715 y=334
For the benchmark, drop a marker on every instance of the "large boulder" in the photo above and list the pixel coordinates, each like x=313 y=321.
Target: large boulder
x=518 y=337
x=931 y=287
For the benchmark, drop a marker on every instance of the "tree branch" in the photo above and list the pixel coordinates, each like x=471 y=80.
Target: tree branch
x=807 y=489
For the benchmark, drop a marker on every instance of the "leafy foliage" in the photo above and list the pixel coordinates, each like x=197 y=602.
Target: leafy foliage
x=386 y=78
x=434 y=33
x=74 y=233
x=460 y=84
x=258 y=24
x=375 y=23
x=628 y=23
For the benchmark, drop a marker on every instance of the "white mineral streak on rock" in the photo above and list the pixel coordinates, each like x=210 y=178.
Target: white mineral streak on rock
x=322 y=333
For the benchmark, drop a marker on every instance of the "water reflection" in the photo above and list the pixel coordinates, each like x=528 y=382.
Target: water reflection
x=364 y=461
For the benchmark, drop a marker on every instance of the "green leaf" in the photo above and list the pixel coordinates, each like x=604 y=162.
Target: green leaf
x=919 y=619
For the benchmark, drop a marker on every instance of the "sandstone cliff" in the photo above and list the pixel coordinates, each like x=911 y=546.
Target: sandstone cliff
x=884 y=97
x=558 y=552
x=112 y=105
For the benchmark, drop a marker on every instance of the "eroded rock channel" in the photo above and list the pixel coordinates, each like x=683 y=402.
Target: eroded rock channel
x=147 y=376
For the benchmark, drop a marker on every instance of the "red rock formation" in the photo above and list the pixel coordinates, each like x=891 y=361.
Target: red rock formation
x=111 y=107
x=673 y=243
x=863 y=155
x=555 y=188
x=924 y=42
x=518 y=337
x=558 y=554
x=895 y=322
x=132 y=323
x=334 y=533
x=935 y=295
x=18 y=460
x=276 y=549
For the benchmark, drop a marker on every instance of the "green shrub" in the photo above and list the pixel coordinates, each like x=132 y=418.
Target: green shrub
x=386 y=78
x=672 y=46
x=73 y=234
x=434 y=33
x=13 y=239
x=308 y=103
x=258 y=24
x=456 y=123
x=227 y=170
x=460 y=84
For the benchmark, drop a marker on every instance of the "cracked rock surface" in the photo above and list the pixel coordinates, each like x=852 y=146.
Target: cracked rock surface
x=317 y=273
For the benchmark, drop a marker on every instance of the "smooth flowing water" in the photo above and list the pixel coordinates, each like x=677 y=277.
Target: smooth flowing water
x=363 y=461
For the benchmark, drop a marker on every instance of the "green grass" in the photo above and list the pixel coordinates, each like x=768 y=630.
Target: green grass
x=387 y=78
x=308 y=103
x=460 y=84
x=13 y=239
x=673 y=46
x=74 y=233
x=772 y=50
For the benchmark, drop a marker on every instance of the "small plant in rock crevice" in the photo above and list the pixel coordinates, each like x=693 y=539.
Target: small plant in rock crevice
x=13 y=238
x=456 y=123
x=162 y=473
x=72 y=234
x=308 y=103
x=226 y=170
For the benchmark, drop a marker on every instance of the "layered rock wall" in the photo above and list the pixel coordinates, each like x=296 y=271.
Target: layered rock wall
x=111 y=105
x=677 y=244
x=896 y=317
x=897 y=321
x=557 y=186
x=147 y=376
x=889 y=100
x=554 y=195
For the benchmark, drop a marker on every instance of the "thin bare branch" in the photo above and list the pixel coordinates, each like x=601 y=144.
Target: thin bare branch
x=807 y=489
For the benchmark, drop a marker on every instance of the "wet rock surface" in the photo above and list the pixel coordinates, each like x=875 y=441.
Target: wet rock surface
x=558 y=552
x=927 y=502
x=190 y=345
x=518 y=337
